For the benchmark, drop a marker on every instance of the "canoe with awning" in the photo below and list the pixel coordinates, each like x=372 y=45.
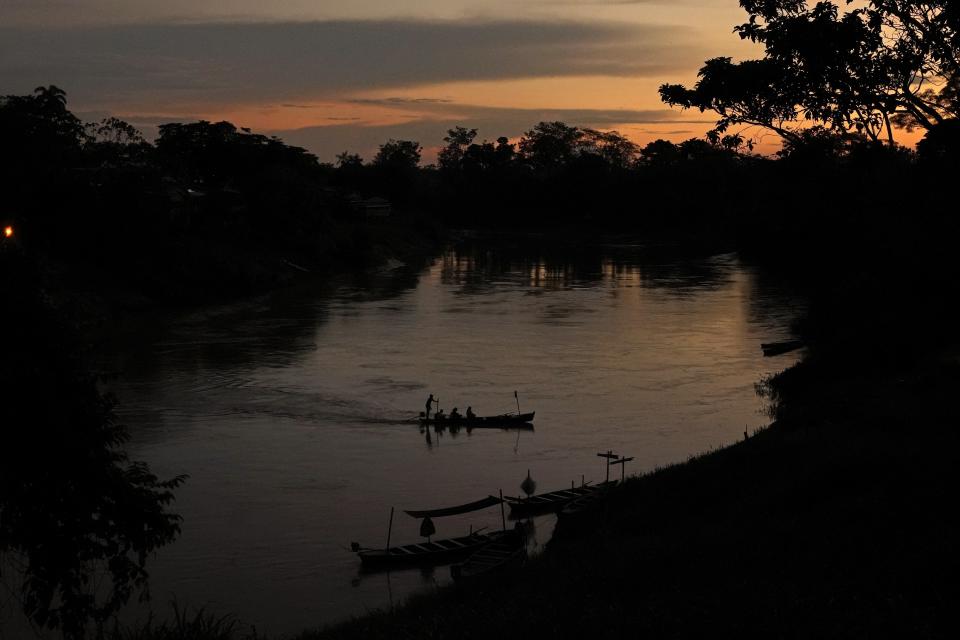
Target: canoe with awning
x=431 y=551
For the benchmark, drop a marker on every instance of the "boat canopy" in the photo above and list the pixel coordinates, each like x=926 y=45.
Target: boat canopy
x=489 y=501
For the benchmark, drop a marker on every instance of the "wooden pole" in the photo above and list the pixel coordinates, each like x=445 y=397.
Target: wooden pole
x=503 y=514
x=623 y=466
x=607 y=455
x=389 y=529
x=515 y=395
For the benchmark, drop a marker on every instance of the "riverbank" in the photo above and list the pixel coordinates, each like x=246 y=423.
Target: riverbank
x=99 y=300
x=836 y=524
x=834 y=520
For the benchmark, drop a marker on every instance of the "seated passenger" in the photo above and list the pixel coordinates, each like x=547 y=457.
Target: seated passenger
x=439 y=415
x=455 y=414
x=470 y=414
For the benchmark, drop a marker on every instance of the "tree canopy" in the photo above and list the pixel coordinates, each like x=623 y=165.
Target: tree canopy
x=851 y=67
x=398 y=154
x=551 y=145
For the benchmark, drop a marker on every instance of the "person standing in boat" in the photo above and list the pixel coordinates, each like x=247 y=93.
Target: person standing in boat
x=429 y=405
x=470 y=414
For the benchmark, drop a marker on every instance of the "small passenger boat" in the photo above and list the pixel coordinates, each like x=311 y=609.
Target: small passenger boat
x=507 y=420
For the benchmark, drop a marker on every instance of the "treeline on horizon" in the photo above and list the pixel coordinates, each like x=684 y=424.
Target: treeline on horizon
x=207 y=196
x=209 y=211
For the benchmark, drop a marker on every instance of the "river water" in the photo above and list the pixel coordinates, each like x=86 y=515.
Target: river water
x=291 y=413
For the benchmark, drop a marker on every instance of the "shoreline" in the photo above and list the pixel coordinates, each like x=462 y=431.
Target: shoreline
x=812 y=528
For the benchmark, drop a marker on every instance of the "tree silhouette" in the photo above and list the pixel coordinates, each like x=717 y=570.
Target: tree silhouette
x=73 y=508
x=398 y=155
x=859 y=69
x=660 y=153
x=347 y=160
x=114 y=131
x=458 y=141
x=550 y=145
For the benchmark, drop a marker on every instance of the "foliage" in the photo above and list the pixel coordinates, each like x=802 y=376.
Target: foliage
x=660 y=153
x=942 y=143
x=186 y=624
x=77 y=517
x=398 y=155
x=463 y=156
x=347 y=160
x=845 y=67
x=458 y=141
x=219 y=154
x=114 y=131
x=552 y=145
x=40 y=139
x=41 y=118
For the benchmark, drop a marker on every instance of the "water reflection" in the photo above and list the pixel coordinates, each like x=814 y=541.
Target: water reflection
x=476 y=267
x=295 y=414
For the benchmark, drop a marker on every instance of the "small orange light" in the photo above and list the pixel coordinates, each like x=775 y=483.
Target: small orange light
x=8 y=231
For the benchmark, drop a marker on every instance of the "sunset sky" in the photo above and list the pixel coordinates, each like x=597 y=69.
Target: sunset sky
x=334 y=75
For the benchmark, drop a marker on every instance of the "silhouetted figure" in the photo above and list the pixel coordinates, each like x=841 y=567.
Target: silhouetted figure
x=455 y=414
x=440 y=415
x=470 y=414
x=429 y=406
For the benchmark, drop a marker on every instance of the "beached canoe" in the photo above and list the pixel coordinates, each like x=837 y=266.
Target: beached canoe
x=506 y=552
x=549 y=502
x=423 y=553
x=584 y=513
x=432 y=552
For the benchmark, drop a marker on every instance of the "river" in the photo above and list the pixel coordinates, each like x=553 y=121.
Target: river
x=291 y=413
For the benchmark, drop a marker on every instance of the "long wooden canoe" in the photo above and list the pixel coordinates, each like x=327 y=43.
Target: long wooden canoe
x=551 y=501
x=423 y=553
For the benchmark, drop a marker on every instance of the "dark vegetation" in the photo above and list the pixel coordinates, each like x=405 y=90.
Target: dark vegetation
x=837 y=520
x=77 y=518
x=206 y=212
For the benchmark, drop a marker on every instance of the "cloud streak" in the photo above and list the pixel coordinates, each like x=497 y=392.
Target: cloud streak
x=222 y=63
